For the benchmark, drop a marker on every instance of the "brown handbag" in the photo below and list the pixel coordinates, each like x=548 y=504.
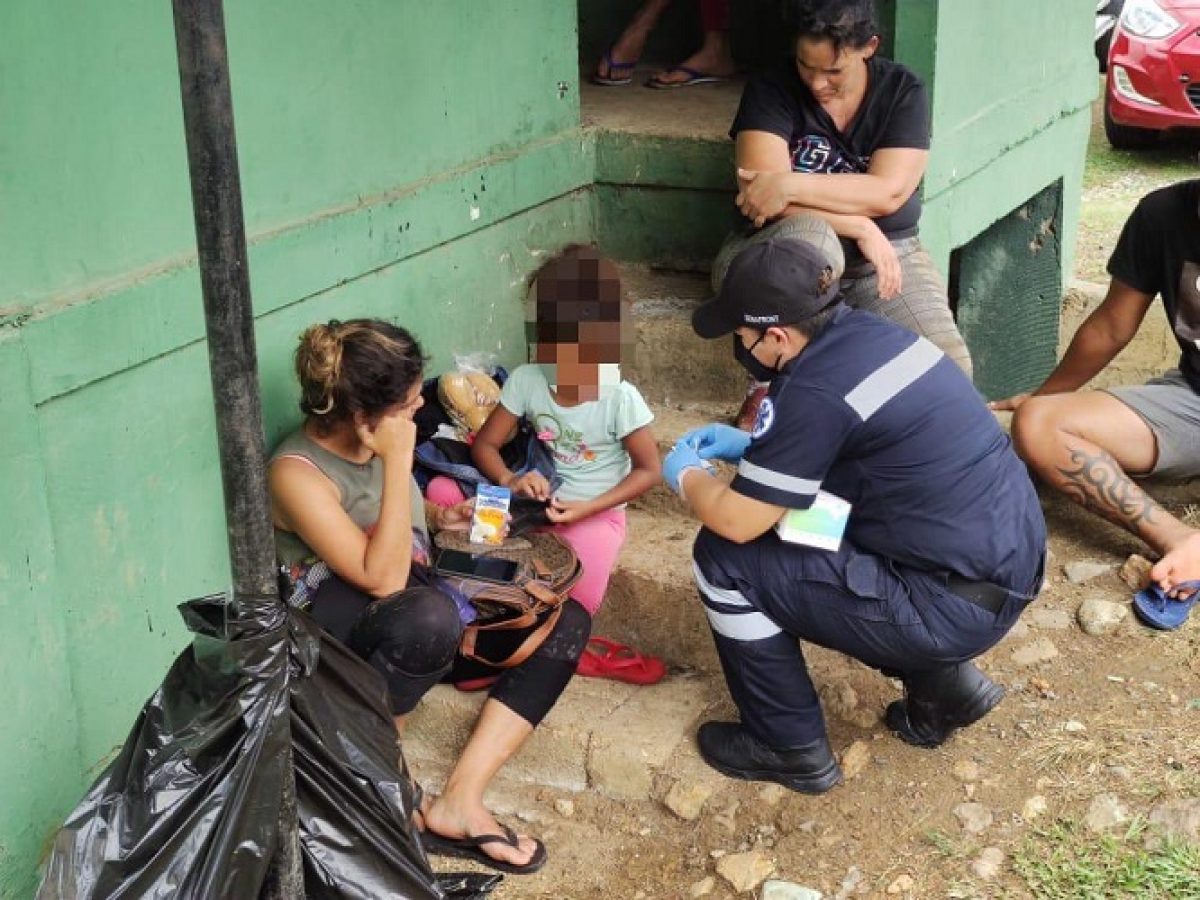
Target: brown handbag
x=547 y=569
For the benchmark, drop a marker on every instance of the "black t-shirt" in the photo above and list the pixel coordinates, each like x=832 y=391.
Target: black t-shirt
x=1159 y=253
x=894 y=113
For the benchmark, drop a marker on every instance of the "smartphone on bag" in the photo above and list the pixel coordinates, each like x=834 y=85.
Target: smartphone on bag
x=472 y=565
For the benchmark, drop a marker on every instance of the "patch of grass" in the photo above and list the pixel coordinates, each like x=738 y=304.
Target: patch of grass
x=1066 y=862
x=1113 y=182
x=1191 y=515
x=1168 y=162
x=946 y=845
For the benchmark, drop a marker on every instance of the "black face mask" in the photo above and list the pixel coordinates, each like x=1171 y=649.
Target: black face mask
x=758 y=370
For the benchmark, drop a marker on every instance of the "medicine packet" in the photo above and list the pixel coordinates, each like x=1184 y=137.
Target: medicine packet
x=491 y=512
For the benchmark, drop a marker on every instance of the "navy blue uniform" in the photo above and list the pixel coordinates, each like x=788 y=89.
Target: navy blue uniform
x=883 y=419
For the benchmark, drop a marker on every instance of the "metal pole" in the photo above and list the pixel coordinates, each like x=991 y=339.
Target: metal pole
x=229 y=322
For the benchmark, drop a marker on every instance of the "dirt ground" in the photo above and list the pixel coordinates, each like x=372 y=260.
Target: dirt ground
x=1092 y=726
x=1089 y=715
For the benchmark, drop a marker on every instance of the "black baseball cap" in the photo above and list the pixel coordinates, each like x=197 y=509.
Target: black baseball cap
x=780 y=281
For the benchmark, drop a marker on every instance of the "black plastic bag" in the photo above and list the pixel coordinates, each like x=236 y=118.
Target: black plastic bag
x=190 y=807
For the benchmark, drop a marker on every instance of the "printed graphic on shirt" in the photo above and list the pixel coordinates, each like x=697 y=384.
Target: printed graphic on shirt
x=566 y=443
x=816 y=153
x=764 y=419
x=1187 y=305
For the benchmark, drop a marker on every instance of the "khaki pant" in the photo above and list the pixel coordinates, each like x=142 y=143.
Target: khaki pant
x=922 y=305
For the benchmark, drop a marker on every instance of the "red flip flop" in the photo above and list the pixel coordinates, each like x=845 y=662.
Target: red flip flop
x=470 y=685
x=603 y=658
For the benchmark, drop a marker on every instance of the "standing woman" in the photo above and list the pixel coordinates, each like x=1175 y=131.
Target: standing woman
x=352 y=531
x=842 y=134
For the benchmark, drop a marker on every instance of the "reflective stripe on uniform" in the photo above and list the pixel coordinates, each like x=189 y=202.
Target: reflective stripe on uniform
x=747 y=624
x=803 y=487
x=886 y=382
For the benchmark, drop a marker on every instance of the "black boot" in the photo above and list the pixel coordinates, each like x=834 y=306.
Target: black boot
x=732 y=750
x=939 y=701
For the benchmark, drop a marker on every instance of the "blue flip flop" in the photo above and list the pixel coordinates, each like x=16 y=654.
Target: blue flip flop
x=613 y=67
x=694 y=76
x=1156 y=609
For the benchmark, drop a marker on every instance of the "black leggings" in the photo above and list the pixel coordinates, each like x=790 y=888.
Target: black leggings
x=411 y=638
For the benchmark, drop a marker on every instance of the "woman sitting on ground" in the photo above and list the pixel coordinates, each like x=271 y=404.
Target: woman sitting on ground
x=352 y=531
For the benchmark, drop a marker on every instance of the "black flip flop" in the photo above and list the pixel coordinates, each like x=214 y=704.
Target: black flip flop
x=472 y=848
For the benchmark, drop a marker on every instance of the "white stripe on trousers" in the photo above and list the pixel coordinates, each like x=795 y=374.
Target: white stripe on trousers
x=750 y=625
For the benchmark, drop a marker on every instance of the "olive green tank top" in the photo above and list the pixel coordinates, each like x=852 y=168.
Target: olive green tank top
x=360 y=486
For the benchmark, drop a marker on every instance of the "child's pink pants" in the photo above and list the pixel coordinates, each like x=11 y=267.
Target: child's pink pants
x=596 y=540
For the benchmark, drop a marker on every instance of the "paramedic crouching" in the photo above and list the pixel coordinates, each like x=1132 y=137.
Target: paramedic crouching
x=868 y=427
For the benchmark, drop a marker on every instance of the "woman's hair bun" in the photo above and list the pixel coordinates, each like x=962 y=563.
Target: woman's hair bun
x=318 y=366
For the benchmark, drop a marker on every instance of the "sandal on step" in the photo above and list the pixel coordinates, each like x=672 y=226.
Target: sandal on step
x=603 y=658
x=470 y=685
x=472 y=848
x=1157 y=610
x=694 y=76
x=613 y=67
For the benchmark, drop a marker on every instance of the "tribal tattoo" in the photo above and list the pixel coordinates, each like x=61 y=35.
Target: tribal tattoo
x=1097 y=483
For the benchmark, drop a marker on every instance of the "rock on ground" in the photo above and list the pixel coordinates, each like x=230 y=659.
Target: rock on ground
x=1135 y=571
x=687 y=798
x=975 y=817
x=966 y=770
x=1079 y=572
x=1179 y=819
x=745 y=871
x=1104 y=812
x=1036 y=651
x=855 y=759
x=1050 y=619
x=704 y=887
x=987 y=865
x=1034 y=807
x=839 y=700
x=1098 y=617
x=786 y=890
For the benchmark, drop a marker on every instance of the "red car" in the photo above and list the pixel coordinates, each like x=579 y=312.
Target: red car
x=1153 y=72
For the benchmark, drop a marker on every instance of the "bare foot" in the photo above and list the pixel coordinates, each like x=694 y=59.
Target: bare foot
x=1180 y=562
x=713 y=58
x=628 y=48
x=423 y=802
x=450 y=819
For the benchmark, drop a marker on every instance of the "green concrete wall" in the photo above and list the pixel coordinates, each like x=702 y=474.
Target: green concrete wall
x=1011 y=108
x=1012 y=96
x=387 y=170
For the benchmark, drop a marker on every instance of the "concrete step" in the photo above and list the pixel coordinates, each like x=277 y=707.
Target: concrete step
x=652 y=602
x=602 y=735
x=671 y=365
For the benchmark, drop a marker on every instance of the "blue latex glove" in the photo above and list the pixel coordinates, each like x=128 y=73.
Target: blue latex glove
x=718 y=442
x=679 y=460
